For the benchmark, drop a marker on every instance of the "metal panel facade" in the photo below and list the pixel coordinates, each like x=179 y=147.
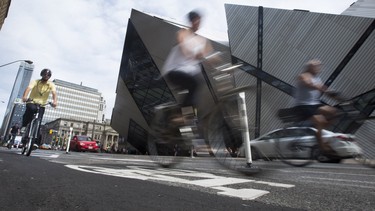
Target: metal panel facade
x=290 y=39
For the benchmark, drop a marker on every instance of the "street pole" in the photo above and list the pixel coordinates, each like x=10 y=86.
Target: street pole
x=69 y=138
x=22 y=60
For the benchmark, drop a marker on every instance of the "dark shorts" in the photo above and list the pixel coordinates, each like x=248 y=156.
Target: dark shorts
x=307 y=111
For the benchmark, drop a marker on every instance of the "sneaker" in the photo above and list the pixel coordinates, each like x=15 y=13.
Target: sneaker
x=35 y=146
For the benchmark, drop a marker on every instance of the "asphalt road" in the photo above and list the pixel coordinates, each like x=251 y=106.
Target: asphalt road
x=54 y=180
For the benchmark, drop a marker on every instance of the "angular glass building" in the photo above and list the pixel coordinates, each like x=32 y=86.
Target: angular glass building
x=273 y=45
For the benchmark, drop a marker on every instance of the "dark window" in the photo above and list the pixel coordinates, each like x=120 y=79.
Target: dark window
x=141 y=75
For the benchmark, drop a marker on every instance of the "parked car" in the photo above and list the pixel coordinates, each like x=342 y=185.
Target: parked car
x=83 y=143
x=264 y=147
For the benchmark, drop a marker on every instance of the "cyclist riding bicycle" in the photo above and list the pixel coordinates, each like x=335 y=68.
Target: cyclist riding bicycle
x=13 y=132
x=39 y=91
x=308 y=106
x=183 y=64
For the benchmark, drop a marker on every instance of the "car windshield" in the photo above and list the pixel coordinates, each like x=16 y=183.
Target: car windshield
x=84 y=138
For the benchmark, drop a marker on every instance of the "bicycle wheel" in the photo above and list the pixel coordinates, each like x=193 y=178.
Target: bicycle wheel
x=224 y=134
x=25 y=140
x=29 y=146
x=165 y=143
x=296 y=151
x=32 y=137
x=9 y=145
x=24 y=144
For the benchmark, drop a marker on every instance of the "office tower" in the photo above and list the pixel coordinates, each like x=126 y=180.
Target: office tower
x=76 y=102
x=15 y=108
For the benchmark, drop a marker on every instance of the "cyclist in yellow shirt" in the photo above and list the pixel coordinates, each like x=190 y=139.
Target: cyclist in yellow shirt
x=39 y=91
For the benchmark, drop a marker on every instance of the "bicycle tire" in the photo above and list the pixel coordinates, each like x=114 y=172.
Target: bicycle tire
x=24 y=143
x=163 y=138
x=25 y=140
x=9 y=145
x=296 y=152
x=33 y=134
x=224 y=136
x=29 y=146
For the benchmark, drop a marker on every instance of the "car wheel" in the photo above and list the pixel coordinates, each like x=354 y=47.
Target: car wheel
x=318 y=155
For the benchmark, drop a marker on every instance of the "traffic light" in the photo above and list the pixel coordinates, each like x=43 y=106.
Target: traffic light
x=50 y=131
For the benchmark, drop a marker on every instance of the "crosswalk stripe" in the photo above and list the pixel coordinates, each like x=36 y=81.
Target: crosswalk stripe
x=218 y=183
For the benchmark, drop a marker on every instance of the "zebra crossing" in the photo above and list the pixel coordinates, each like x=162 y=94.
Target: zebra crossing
x=226 y=186
x=133 y=168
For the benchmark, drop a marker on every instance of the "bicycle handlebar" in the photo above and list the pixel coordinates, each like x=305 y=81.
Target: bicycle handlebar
x=31 y=100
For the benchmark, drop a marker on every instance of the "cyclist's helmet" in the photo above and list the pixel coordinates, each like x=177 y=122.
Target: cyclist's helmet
x=46 y=72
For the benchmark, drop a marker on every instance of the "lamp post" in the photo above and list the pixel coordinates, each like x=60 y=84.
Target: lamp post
x=22 y=60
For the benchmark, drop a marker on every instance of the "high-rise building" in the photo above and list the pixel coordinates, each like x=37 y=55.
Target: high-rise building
x=76 y=102
x=15 y=108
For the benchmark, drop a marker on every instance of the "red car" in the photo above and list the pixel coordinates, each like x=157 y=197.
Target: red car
x=83 y=143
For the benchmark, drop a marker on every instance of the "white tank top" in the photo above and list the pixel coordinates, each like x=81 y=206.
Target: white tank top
x=178 y=61
x=307 y=96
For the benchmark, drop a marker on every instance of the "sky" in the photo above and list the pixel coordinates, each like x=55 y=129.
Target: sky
x=81 y=41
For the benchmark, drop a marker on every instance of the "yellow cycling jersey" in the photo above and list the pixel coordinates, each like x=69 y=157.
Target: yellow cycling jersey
x=40 y=91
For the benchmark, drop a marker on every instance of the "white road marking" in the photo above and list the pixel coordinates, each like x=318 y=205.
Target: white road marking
x=44 y=155
x=122 y=159
x=218 y=181
x=195 y=178
x=244 y=194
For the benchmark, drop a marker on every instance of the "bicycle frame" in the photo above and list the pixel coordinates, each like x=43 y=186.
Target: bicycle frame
x=33 y=131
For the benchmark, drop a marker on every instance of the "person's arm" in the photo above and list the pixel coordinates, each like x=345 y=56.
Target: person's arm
x=26 y=94
x=54 y=98
x=306 y=79
x=28 y=90
x=181 y=36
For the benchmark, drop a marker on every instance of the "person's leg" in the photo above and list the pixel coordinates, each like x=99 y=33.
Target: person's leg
x=320 y=123
x=40 y=117
x=29 y=114
x=13 y=138
x=328 y=112
x=184 y=81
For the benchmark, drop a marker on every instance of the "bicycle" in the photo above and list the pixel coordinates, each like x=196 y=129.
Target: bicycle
x=32 y=130
x=224 y=128
x=304 y=150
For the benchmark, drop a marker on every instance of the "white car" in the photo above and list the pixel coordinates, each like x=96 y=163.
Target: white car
x=265 y=146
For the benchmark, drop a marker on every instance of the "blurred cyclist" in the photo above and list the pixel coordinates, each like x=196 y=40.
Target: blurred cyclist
x=39 y=91
x=184 y=61
x=309 y=88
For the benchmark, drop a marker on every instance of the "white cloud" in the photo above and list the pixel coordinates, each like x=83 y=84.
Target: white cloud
x=82 y=40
